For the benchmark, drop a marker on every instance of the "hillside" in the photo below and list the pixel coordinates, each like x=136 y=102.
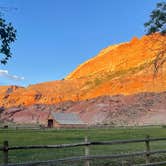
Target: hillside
x=125 y=68
x=138 y=109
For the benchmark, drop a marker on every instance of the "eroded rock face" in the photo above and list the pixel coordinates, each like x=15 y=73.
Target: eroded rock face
x=138 y=109
x=11 y=89
x=126 y=68
x=34 y=114
x=96 y=89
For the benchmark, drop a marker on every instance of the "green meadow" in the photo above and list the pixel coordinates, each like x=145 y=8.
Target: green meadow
x=50 y=137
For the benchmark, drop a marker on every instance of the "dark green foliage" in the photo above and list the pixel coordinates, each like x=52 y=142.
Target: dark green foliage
x=157 y=22
x=7 y=36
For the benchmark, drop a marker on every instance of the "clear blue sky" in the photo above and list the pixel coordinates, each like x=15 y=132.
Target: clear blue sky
x=55 y=36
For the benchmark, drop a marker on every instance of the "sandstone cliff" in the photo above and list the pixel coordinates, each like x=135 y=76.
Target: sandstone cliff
x=125 y=68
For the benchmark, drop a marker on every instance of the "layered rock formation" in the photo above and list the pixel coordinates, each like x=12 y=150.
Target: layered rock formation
x=127 y=68
x=137 y=109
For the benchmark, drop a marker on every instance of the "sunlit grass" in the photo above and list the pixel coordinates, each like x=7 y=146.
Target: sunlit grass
x=50 y=137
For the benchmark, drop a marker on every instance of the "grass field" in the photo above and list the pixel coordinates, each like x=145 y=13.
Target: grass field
x=50 y=137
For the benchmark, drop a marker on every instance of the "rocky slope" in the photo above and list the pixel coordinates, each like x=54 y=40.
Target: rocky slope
x=137 y=109
x=122 y=80
x=127 y=68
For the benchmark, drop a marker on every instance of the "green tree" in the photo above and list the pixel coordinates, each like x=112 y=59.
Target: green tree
x=155 y=26
x=7 y=36
x=157 y=22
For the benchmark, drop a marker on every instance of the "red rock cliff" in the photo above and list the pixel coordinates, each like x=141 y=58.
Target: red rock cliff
x=125 y=68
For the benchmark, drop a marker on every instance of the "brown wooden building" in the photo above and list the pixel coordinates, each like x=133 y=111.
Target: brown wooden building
x=64 y=120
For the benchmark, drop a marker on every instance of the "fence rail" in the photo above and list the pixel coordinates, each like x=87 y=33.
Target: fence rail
x=6 y=148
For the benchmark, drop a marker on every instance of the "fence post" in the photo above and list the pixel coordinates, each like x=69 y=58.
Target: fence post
x=87 y=152
x=147 y=143
x=5 y=152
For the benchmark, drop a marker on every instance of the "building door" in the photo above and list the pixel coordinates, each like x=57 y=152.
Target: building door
x=50 y=123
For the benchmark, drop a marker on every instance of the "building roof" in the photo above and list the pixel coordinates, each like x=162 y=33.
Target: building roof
x=67 y=118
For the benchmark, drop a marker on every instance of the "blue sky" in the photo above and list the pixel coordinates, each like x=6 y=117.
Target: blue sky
x=55 y=36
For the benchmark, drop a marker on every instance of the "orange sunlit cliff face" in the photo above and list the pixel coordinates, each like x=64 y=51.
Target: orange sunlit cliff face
x=125 y=68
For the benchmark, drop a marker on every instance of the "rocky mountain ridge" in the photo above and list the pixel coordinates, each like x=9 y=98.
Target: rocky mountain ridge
x=126 y=69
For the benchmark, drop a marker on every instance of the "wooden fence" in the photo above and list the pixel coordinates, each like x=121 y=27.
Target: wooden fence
x=87 y=157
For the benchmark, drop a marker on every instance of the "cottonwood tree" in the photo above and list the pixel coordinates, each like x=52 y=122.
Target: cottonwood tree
x=156 y=29
x=7 y=36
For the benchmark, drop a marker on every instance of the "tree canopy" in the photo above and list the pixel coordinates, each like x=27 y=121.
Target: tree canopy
x=157 y=22
x=7 y=36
